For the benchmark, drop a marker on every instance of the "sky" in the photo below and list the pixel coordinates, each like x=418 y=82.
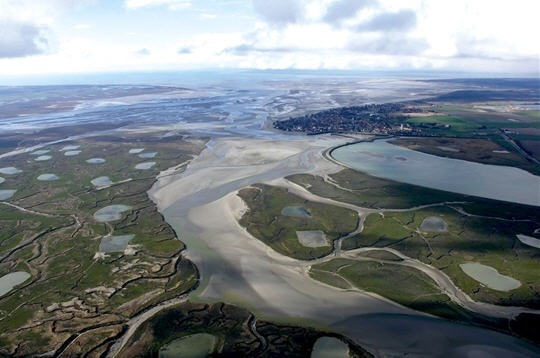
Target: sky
x=86 y=36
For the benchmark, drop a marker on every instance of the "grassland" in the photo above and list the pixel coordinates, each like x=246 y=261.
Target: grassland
x=265 y=221
x=47 y=229
x=239 y=333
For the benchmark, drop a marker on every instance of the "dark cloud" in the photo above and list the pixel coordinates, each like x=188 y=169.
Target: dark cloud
x=344 y=9
x=20 y=39
x=278 y=12
x=389 y=45
x=143 y=52
x=184 y=51
x=391 y=21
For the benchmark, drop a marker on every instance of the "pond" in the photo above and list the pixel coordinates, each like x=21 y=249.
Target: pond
x=145 y=165
x=198 y=345
x=10 y=170
x=380 y=158
x=433 y=224
x=70 y=147
x=71 y=153
x=42 y=158
x=40 y=152
x=7 y=193
x=147 y=155
x=296 y=211
x=111 y=213
x=2 y=180
x=135 y=150
x=529 y=240
x=48 y=177
x=9 y=281
x=490 y=277
x=96 y=160
x=330 y=347
x=312 y=238
x=101 y=181
x=116 y=243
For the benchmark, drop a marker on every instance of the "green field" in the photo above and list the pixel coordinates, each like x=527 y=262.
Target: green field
x=265 y=221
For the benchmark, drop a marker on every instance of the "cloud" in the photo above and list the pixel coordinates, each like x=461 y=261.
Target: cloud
x=142 y=52
x=20 y=39
x=402 y=20
x=389 y=45
x=184 y=51
x=344 y=9
x=247 y=49
x=278 y=12
x=171 y=4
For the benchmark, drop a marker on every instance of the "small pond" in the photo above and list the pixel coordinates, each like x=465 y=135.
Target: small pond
x=296 y=211
x=96 y=160
x=111 y=213
x=7 y=193
x=135 y=150
x=490 y=277
x=48 y=177
x=40 y=152
x=145 y=165
x=198 y=345
x=433 y=224
x=101 y=181
x=9 y=281
x=330 y=347
x=116 y=243
x=71 y=153
x=147 y=155
x=312 y=238
x=10 y=170
x=70 y=147
x=42 y=158
x=529 y=240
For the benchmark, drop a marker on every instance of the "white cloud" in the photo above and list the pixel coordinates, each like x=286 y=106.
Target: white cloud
x=171 y=4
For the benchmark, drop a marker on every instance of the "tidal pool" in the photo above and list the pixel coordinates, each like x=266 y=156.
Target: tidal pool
x=7 y=193
x=70 y=147
x=96 y=160
x=101 y=181
x=71 y=153
x=490 y=277
x=433 y=224
x=147 y=155
x=459 y=176
x=48 y=177
x=115 y=243
x=10 y=170
x=42 y=158
x=9 y=281
x=330 y=347
x=296 y=211
x=111 y=212
x=145 y=165
x=312 y=238
x=529 y=240
x=198 y=345
x=135 y=150
x=40 y=152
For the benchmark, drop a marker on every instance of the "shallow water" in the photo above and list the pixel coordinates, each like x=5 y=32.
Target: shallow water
x=71 y=153
x=433 y=224
x=529 y=240
x=295 y=211
x=111 y=213
x=48 y=177
x=43 y=158
x=147 y=155
x=96 y=160
x=7 y=193
x=70 y=147
x=459 y=176
x=101 y=181
x=330 y=347
x=10 y=170
x=490 y=277
x=9 y=281
x=40 y=152
x=198 y=345
x=115 y=243
x=145 y=165
x=135 y=150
